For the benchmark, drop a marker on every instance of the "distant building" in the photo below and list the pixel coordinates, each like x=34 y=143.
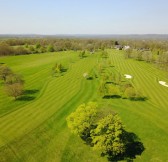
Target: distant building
x=126 y=47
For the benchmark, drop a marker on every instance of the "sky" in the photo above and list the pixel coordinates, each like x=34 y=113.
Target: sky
x=83 y=17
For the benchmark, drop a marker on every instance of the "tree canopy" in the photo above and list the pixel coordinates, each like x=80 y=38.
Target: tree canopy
x=82 y=119
x=104 y=132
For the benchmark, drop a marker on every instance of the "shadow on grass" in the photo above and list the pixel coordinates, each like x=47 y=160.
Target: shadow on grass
x=112 y=66
x=28 y=95
x=30 y=91
x=133 y=147
x=138 y=98
x=64 y=70
x=26 y=98
x=132 y=143
x=83 y=57
x=90 y=78
x=111 y=96
x=111 y=83
x=105 y=57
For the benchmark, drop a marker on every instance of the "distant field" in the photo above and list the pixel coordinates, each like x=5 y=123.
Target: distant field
x=35 y=129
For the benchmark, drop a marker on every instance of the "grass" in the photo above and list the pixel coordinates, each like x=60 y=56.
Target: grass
x=35 y=130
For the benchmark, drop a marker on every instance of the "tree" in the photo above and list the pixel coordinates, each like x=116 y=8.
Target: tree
x=102 y=88
x=14 y=78
x=147 y=56
x=104 y=131
x=14 y=90
x=128 y=53
x=4 y=72
x=104 y=54
x=50 y=48
x=37 y=46
x=5 y=49
x=32 y=49
x=42 y=49
x=81 y=121
x=21 y=51
x=116 y=43
x=82 y=54
x=57 y=69
x=113 y=90
x=130 y=92
x=106 y=137
x=138 y=55
x=14 y=85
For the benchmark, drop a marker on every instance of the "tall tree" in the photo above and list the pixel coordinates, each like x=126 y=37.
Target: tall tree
x=106 y=137
x=14 y=90
x=81 y=121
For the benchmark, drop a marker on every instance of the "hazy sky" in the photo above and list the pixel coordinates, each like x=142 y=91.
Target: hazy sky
x=83 y=16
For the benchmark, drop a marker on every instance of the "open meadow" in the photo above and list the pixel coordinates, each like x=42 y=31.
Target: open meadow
x=34 y=128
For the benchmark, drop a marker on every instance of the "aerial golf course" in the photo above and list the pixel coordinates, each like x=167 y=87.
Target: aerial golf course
x=33 y=128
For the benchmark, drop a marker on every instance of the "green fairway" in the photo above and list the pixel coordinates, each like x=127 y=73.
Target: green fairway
x=35 y=129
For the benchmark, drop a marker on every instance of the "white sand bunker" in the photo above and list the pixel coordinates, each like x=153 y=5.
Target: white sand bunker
x=127 y=76
x=163 y=83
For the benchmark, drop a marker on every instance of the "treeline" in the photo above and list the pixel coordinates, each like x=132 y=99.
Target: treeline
x=152 y=45
x=30 y=46
x=160 y=58
x=152 y=51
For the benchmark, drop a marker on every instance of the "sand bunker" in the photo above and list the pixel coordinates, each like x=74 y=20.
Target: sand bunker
x=127 y=76
x=163 y=83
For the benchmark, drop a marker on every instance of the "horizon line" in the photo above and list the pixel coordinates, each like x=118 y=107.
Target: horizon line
x=84 y=34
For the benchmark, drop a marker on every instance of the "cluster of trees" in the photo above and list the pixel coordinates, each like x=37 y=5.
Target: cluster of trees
x=28 y=46
x=159 y=58
x=113 y=85
x=13 y=83
x=90 y=76
x=152 y=45
x=152 y=51
x=104 y=132
x=6 y=50
x=57 y=69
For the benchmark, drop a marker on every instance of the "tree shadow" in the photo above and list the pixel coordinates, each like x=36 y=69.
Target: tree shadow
x=112 y=66
x=111 y=96
x=28 y=95
x=83 y=57
x=90 y=78
x=105 y=57
x=133 y=147
x=30 y=91
x=138 y=98
x=110 y=82
x=64 y=70
x=25 y=98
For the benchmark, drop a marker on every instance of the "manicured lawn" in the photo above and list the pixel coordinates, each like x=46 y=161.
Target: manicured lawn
x=35 y=129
